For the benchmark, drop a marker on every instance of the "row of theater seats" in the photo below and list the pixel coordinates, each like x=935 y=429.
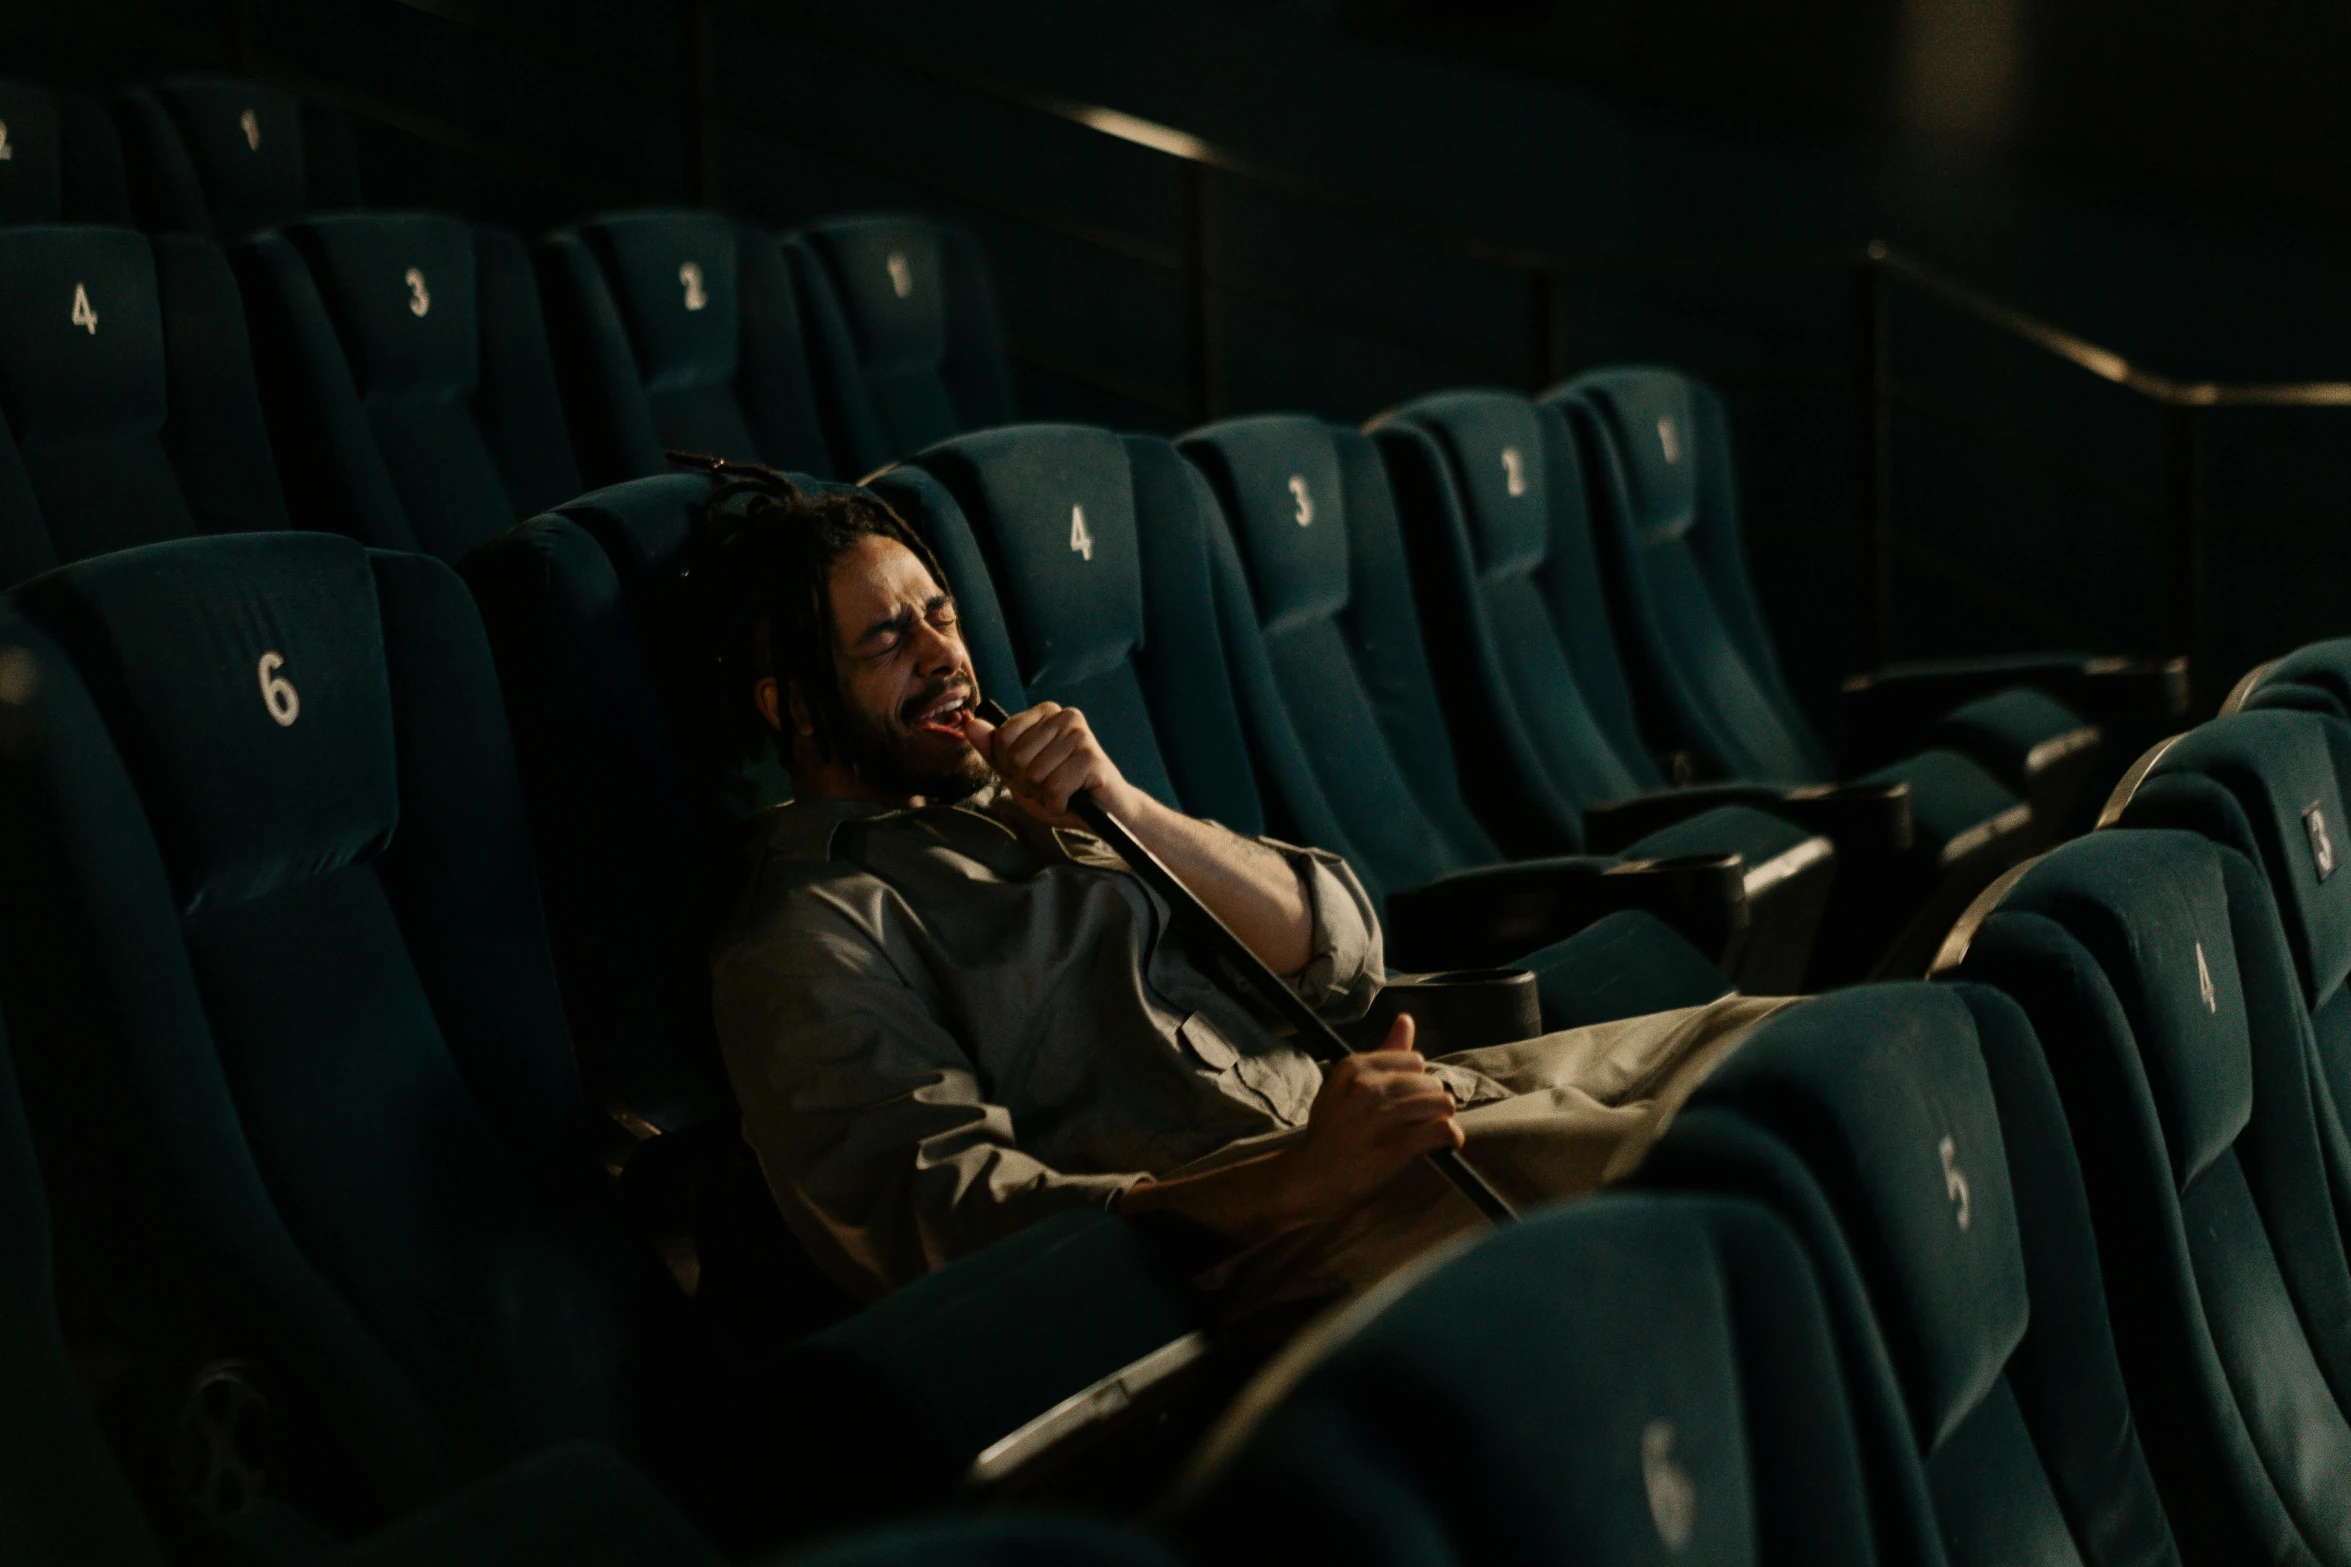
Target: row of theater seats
x=299 y=1045
x=2044 y=1262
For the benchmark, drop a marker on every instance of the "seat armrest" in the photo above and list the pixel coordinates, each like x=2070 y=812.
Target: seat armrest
x=1864 y=821
x=1610 y=826
x=1889 y=711
x=1493 y=915
x=1458 y=1009
x=921 y=1383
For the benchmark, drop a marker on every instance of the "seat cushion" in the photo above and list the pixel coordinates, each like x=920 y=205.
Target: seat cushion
x=1758 y=835
x=1884 y=1096
x=1052 y=509
x=905 y=320
x=1654 y=1418
x=2005 y=729
x=64 y=160
x=407 y=373
x=714 y=351
x=1954 y=801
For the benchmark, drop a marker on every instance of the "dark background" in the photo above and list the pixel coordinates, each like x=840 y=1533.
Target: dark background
x=2170 y=179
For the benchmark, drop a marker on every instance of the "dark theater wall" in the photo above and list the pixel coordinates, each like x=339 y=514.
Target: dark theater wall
x=2164 y=181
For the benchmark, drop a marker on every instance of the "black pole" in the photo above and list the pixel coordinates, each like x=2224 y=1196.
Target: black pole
x=1542 y=328
x=696 y=21
x=1244 y=967
x=2183 y=553
x=1873 y=491
x=1200 y=366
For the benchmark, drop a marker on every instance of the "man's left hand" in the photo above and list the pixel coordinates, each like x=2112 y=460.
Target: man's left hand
x=1045 y=755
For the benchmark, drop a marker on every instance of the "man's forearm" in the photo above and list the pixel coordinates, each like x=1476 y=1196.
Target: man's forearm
x=1244 y=883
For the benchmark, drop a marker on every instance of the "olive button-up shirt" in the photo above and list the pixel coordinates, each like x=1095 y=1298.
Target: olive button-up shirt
x=946 y=1023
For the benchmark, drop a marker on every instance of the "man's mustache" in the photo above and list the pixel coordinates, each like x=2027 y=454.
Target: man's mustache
x=921 y=702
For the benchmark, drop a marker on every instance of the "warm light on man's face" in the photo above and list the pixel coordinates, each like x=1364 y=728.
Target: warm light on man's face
x=906 y=679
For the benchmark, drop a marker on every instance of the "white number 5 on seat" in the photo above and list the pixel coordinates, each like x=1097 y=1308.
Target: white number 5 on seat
x=277 y=692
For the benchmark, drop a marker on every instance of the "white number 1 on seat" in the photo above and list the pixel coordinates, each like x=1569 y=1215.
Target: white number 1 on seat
x=1080 y=541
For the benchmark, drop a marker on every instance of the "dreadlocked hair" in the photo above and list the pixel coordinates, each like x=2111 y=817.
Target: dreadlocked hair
x=763 y=552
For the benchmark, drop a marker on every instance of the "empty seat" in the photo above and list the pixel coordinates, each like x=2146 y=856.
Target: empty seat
x=403 y=362
x=2153 y=969
x=63 y=1498
x=1081 y=563
x=615 y=714
x=2312 y=679
x=1656 y=458
x=1632 y=1378
x=63 y=160
x=907 y=341
x=1666 y=490
x=684 y=330
x=1490 y=489
x=127 y=386
x=315 y=1104
x=1912 y=1135
x=2268 y=783
x=221 y=157
x=1314 y=532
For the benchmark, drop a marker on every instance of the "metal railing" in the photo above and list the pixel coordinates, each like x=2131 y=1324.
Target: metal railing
x=2184 y=405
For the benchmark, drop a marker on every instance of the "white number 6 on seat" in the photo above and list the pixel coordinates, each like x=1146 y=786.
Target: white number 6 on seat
x=277 y=692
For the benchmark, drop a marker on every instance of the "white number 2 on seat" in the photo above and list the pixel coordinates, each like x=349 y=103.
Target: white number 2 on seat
x=277 y=692
x=1080 y=541
x=690 y=276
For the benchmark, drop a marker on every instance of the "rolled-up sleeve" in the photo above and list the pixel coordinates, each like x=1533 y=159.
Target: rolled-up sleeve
x=1346 y=970
x=875 y=1134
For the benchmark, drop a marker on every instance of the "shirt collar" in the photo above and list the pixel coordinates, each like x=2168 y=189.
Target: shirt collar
x=804 y=829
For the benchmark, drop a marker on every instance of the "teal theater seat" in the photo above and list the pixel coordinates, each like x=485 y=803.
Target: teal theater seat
x=403 y=362
x=1490 y=488
x=64 y=1499
x=2312 y=679
x=907 y=342
x=1308 y=553
x=221 y=157
x=1629 y=1378
x=272 y=951
x=127 y=389
x=64 y=162
x=685 y=330
x=1657 y=463
x=2154 y=971
x=2267 y=782
x=1912 y=1136
x=1081 y=561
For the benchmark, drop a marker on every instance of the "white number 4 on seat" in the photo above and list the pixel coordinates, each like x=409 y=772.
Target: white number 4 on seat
x=83 y=316
x=1080 y=541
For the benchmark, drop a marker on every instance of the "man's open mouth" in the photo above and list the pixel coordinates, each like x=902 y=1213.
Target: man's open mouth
x=946 y=713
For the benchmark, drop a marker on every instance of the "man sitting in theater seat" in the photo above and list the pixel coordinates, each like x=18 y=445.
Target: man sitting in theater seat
x=949 y=1011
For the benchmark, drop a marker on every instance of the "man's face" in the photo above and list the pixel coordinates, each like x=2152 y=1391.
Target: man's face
x=905 y=677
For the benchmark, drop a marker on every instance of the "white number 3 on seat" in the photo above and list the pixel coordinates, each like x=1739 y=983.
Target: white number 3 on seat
x=277 y=692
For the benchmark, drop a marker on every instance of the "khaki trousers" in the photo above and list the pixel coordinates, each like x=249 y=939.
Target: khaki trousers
x=1546 y=1118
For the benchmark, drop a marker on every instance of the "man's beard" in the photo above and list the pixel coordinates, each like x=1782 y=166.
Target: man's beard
x=881 y=750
